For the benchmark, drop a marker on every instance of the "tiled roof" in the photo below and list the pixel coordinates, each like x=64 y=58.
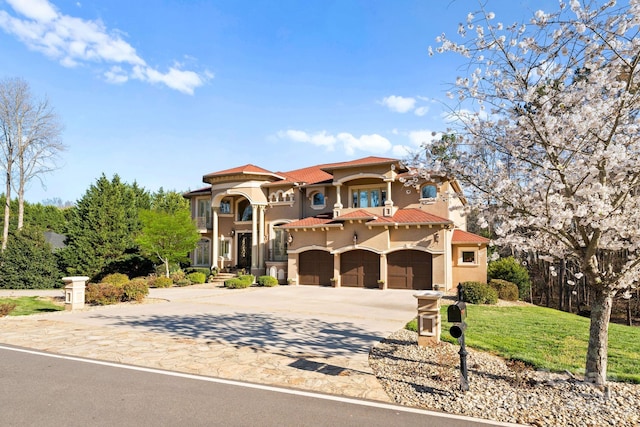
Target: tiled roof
x=204 y=190
x=460 y=236
x=410 y=216
x=309 y=222
x=248 y=169
x=309 y=175
x=371 y=160
x=359 y=214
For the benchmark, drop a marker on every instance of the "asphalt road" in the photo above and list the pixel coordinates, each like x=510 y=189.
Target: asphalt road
x=40 y=389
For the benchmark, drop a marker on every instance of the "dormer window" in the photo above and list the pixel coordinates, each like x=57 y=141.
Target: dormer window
x=428 y=193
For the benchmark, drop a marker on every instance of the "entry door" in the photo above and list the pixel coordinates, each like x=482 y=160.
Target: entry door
x=244 y=250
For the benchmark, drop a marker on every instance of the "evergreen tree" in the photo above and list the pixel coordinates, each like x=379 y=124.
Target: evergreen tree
x=101 y=228
x=168 y=201
x=28 y=262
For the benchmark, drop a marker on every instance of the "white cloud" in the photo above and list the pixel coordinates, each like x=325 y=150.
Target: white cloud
x=374 y=144
x=73 y=41
x=399 y=104
x=369 y=143
x=401 y=151
x=421 y=111
x=321 y=139
x=419 y=137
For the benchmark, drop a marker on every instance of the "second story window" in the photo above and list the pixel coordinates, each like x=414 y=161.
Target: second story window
x=428 y=192
x=368 y=197
x=225 y=206
x=317 y=200
x=245 y=211
x=203 y=216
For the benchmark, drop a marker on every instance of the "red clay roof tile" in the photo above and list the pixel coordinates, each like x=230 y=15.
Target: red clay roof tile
x=460 y=236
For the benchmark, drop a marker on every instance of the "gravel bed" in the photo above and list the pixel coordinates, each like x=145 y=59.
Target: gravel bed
x=429 y=378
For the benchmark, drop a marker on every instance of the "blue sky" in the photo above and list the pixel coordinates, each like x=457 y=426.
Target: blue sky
x=162 y=92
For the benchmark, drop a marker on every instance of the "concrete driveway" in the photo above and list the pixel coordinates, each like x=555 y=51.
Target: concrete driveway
x=308 y=320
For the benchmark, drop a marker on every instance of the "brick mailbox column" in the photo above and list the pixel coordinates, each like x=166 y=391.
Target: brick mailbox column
x=74 y=292
x=429 y=319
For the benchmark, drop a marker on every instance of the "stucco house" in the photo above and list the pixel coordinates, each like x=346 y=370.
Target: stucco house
x=353 y=223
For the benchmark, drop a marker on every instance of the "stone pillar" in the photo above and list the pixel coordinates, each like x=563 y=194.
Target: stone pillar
x=261 y=248
x=74 y=292
x=429 y=319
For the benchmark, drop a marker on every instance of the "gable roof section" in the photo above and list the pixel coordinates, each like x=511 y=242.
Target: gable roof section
x=247 y=169
x=360 y=214
x=460 y=237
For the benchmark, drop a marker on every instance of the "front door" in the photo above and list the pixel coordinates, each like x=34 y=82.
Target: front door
x=244 y=250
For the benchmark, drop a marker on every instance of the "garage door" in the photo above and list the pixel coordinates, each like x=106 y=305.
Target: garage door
x=360 y=269
x=316 y=268
x=409 y=270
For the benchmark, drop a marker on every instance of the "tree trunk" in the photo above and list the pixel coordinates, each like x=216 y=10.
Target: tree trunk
x=596 y=369
x=166 y=267
x=7 y=212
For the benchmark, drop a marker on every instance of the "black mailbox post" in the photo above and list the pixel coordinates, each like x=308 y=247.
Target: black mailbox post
x=456 y=314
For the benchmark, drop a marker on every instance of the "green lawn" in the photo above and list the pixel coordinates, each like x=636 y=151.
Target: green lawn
x=546 y=338
x=31 y=305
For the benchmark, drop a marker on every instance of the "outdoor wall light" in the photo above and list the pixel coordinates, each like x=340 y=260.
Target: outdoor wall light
x=355 y=238
x=289 y=238
x=233 y=232
x=436 y=238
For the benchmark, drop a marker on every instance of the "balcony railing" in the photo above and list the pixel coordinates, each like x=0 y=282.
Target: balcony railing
x=203 y=222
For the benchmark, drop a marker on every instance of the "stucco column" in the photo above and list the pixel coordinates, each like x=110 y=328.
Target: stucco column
x=383 y=270
x=215 y=241
x=389 y=201
x=254 y=236
x=338 y=204
x=261 y=247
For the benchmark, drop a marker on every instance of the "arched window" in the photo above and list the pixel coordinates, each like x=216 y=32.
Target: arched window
x=428 y=191
x=245 y=211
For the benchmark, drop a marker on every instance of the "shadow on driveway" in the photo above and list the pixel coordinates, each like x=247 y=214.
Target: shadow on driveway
x=296 y=337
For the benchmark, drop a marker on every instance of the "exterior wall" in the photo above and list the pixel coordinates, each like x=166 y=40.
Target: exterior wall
x=465 y=273
x=292 y=203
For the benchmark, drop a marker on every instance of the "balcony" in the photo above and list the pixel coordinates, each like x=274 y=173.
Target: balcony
x=203 y=222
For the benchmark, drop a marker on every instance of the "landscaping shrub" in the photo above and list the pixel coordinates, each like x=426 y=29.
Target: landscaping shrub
x=267 y=281
x=248 y=278
x=163 y=282
x=511 y=270
x=103 y=294
x=135 y=290
x=178 y=275
x=183 y=282
x=205 y=271
x=479 y=293
x=197 y=277
x=506 y=290
x=7 y=308
x=117 y=279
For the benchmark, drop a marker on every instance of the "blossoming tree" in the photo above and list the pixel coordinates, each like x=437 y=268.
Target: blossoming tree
x=547 y=134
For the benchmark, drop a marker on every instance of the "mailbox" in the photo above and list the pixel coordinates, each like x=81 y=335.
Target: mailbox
x=457 y=312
